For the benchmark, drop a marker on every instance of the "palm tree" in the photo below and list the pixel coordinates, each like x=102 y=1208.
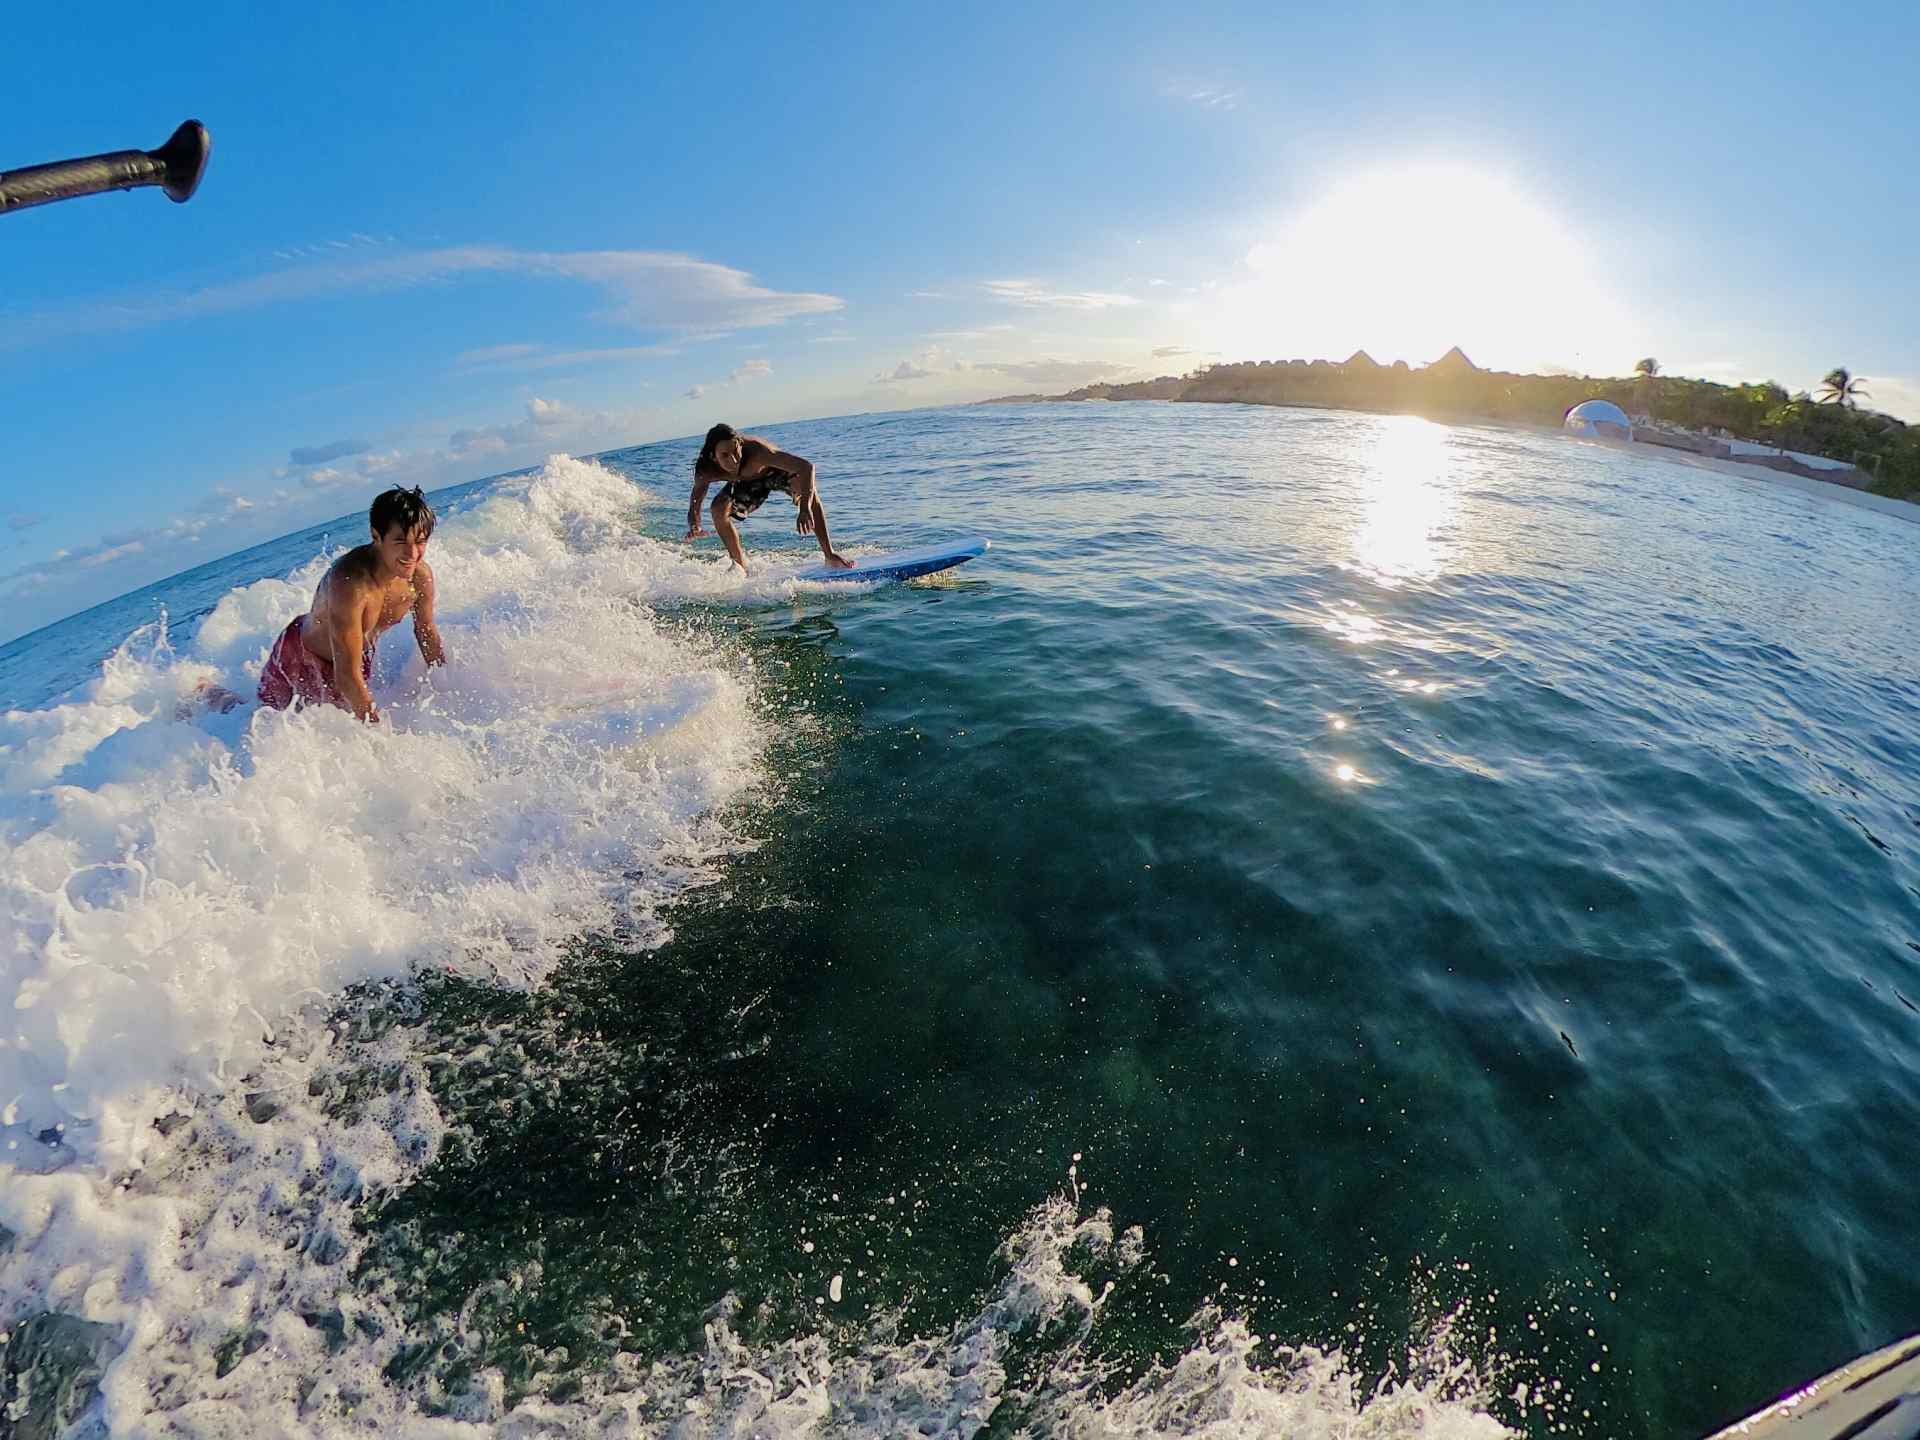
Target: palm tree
x=1840 y=388
x=1646 y=390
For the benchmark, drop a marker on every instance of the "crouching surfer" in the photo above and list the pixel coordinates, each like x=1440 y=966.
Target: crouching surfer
x=749 y=470
x=325 y=657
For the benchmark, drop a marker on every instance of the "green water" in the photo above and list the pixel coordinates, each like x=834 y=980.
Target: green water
x=1410 y=873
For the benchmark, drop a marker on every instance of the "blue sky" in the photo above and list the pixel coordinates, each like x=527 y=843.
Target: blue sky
x=439 y=241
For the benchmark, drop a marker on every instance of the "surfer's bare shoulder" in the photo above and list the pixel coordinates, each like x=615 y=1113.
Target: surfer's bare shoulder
x=360 y=566
x=755 y=455
x=352 y=583
x=423 y=584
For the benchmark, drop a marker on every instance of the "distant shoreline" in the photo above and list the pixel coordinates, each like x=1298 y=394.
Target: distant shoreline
x=1905 y=510
x=1864 y=448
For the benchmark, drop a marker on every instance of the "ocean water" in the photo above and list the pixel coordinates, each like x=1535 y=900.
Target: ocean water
x=1336 y=926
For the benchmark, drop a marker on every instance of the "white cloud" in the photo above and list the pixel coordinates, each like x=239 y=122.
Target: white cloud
x=1168 y=351
x=696 y=392
x=477 y=444
x=380 y=463
x=1032 y=293
x=329 y=477
x=96 y=558
x=749 y=370
x=648 y=290
x=550 y=412
x=928 y=295
x=905 y=370
x=1895 y=395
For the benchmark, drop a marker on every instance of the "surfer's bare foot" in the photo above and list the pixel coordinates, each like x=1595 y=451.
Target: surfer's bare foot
x=837 y=561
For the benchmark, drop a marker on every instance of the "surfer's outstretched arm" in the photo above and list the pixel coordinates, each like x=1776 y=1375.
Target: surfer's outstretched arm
x=813 y=518
x=348 y=636
x=424 y=630
x=694 y=502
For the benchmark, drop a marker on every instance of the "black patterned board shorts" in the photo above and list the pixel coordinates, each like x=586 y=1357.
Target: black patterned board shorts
x=748 y=496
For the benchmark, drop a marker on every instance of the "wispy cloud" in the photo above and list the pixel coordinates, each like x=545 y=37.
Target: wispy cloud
x=695 y=392
x=904 y=371
x=538 y=357
x=829 y=339
x=1054 y=374
x=495 y=354
x=23 y=522
x=646 y=289
x=1206 y=96
x=321 y=454
x=1165 y=352
x=177 y=538
x=928 y=295
x=1032 y=293
x=984 y=332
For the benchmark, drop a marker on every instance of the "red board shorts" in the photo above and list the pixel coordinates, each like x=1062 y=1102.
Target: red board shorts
x=293 y=672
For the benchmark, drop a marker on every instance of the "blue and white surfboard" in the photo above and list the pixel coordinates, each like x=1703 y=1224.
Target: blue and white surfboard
x=905 y=564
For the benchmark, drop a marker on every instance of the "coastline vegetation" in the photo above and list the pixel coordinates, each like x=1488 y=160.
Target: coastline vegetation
x=1885 y=451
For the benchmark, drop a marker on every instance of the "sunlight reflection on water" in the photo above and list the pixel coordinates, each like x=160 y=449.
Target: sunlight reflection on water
x=1410 y=495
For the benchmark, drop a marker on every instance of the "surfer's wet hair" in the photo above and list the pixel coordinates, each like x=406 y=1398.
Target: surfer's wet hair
x=407 y=509
x=716 y=437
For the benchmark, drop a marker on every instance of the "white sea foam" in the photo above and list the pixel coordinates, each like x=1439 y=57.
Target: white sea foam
x=170 y=888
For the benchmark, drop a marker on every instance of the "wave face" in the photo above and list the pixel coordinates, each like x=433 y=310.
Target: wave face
x=174 y=887
x=1335 y=926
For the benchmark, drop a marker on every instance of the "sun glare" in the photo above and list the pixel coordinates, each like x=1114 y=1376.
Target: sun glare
x=1406 y=262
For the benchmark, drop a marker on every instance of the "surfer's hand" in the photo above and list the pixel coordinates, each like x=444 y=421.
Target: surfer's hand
x=805 y=523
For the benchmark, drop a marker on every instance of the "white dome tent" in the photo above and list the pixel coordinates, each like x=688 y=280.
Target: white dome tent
x=1599 y=420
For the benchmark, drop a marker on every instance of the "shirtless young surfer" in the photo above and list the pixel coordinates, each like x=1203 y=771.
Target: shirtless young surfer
x=326 y=655
x=749 y=470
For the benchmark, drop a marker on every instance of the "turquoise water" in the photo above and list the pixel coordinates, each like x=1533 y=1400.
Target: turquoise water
x=1454 y=890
